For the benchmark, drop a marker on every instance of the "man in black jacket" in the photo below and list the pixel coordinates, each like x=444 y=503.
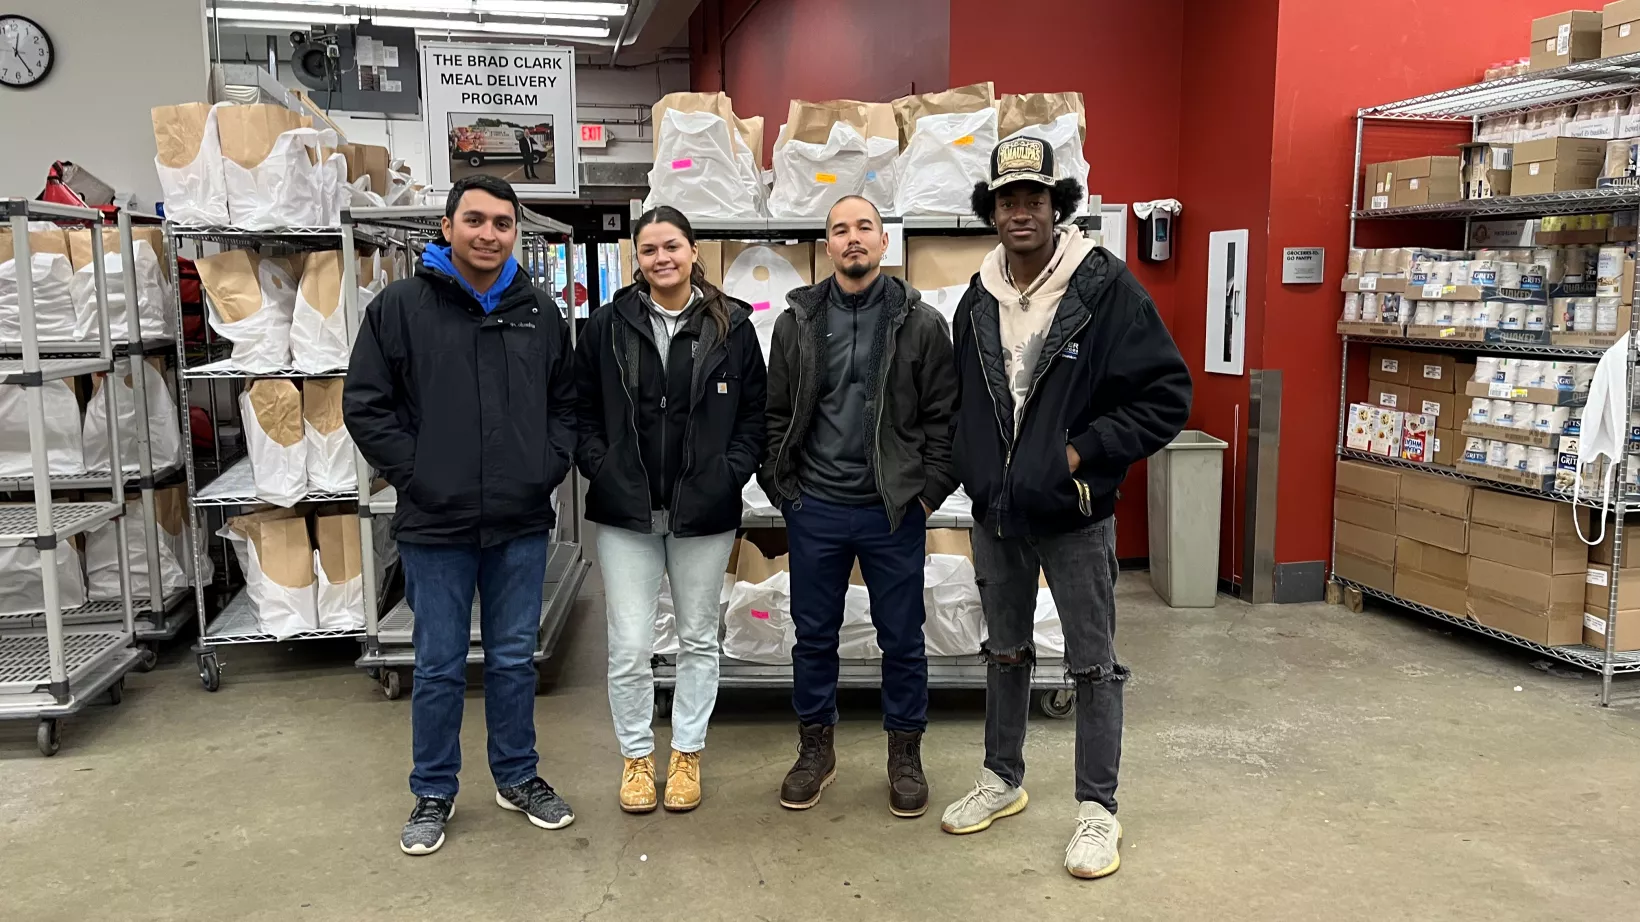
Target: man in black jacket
x=460 y=393
x=859 y=454
x=1067 y=376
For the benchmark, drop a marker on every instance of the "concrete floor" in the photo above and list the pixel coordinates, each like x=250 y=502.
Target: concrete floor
x=1282 y=763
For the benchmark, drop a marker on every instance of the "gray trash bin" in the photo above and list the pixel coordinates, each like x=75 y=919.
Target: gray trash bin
x=1185 y=488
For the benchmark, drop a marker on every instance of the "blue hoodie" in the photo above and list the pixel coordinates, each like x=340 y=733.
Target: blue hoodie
x=438 y=257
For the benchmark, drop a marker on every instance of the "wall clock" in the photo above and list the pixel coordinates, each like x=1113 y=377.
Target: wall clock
x=26 y=53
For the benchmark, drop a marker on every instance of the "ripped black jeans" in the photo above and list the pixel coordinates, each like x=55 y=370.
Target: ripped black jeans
x=1080 y=567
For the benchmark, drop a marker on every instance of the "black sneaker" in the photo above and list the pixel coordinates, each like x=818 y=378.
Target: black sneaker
x=424 y=833
x=537 y=800
x=907 y=786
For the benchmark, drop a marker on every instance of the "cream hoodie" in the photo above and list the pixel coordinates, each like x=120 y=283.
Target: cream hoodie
x=1025 y=315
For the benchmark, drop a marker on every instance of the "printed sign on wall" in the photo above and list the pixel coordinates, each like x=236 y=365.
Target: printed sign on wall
x=506 y=110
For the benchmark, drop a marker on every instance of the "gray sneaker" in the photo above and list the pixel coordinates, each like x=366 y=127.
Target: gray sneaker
x=1094 y=849
x=991 y=799
x=424 y=833
x=537 y=800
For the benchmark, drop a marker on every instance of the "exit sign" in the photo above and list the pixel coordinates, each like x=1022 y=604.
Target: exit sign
x=594 y=136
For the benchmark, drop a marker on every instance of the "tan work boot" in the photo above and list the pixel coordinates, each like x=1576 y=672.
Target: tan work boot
x=683 y=782
x=638 y=785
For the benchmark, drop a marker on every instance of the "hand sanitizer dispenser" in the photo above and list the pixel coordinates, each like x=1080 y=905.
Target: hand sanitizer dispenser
x=1157 y=226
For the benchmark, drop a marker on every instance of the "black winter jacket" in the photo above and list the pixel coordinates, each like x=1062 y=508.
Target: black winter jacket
x=912 y=392
x=686 y=439
x=470 y=416
x=1109 y=381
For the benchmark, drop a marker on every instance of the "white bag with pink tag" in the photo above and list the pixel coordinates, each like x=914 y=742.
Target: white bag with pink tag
x=762 y=278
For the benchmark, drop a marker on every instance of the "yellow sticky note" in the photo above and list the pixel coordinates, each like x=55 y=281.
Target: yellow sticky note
x=964 y=141
x=829 y=179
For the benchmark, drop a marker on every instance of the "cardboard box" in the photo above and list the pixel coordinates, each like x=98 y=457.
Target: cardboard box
x=1540 y=607
x=1431 y=370
x=1372 y=481
x=1487 y=169
x=1390 y=365
x=1443 y=405
x=1529 y=534
x=800 y=255
x=1447 y=445
x=1436 y=494
x=1431 y=180
x=1602 y=552
x=1442 y=531
x=1392 y=396
x=1597 y=587
x=1431 y=576
x=1373 y=191
x=1554 y=397
x=1424 y=589
x=1368 y=513
x=1364 y=556
x=1557 y=165
x=1565 y=38
x=941 y=262
x=1628 y=628
x=1620 y=28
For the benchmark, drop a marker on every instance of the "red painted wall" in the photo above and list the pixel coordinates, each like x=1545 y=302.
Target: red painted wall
x=1124 y=58
x=774 y=51
x=1332 y=58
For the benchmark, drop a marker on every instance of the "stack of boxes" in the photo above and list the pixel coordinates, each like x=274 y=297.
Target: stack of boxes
x=1527 y=567
x=1565 y=38
x=1431 y=541
x=1364 y=524
x=1412 y=406
x=1597 y=593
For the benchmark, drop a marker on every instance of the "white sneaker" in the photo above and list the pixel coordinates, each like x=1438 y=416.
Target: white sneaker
x=991 y=799
x=1094 y=849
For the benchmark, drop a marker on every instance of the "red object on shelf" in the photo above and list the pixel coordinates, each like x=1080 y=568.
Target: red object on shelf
x=199 y=426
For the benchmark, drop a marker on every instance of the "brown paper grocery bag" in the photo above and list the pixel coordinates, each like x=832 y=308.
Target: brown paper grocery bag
x=230 y=279
x=278 y=406
x=284 y=550
x=339 y=553
x=54 y=240
x=249 y=132
x=367 y=160
x=750 y=130
x=322 y=404
x=79 y=245
x=950 y=541
x=1022 y=110
x=321 y=284
x=810 y=122
x=972 y=98
x=752 y=567
x=178 y=132
x=170 y=508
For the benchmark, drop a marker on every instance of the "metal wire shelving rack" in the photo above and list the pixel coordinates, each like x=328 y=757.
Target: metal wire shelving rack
x=1056 y=695
x=223 y=480
x=1582 y=82
x=48 y=672
x=388 y=649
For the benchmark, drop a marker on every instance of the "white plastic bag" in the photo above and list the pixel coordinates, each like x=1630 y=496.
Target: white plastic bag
x=810 y=178
x=762 y=278
x=21 y=589
x=283 y=190
x=696 y=168
x=272 y=412
x=57 y=313
x=1049 y=634
x=757 y=621
x=945 y=300
x=190 y=163
x=102 y=568
x=153 y=297
x=882 y=173
x=946 y=156
x=956 y=622
x=857 y=638
x=164 y=429
x=318 y=327
x=277 y=559
x=64 y=452
x=340 y=571
x=252 y=302
x=330 y=463
x=753 y=501
x=1064 y=135
x=957 y=504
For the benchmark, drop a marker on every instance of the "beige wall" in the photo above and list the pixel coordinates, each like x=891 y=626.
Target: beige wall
x=116 y=60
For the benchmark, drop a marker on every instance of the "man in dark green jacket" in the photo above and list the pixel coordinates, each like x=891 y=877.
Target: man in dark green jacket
x=861 y=391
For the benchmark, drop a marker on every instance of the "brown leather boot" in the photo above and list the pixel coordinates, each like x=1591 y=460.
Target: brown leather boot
x=816 y=767
x=907 y=786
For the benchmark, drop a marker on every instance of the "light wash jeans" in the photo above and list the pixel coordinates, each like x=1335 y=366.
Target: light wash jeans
x=633 y=564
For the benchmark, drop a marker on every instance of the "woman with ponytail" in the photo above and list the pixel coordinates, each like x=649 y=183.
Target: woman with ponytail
x=669 y=400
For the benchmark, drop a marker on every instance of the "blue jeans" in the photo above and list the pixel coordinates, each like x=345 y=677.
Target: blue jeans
x=825 y=539
x=439 y=580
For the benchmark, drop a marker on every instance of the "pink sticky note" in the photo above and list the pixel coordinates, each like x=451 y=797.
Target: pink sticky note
x=760 y=615
x=683 y=164
x=760 y=305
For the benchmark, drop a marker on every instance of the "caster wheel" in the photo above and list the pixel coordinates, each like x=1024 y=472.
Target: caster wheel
x=375 y=673
x=210 y=674
x=49 y=736
x=116 y=692
x=147 y=658
x=1057 y=703
x=392 y=684
x=663 y=703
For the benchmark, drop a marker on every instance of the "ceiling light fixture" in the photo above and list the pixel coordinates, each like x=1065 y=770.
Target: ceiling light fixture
x=263 y=15
x=491 y=27
x=569 y=9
